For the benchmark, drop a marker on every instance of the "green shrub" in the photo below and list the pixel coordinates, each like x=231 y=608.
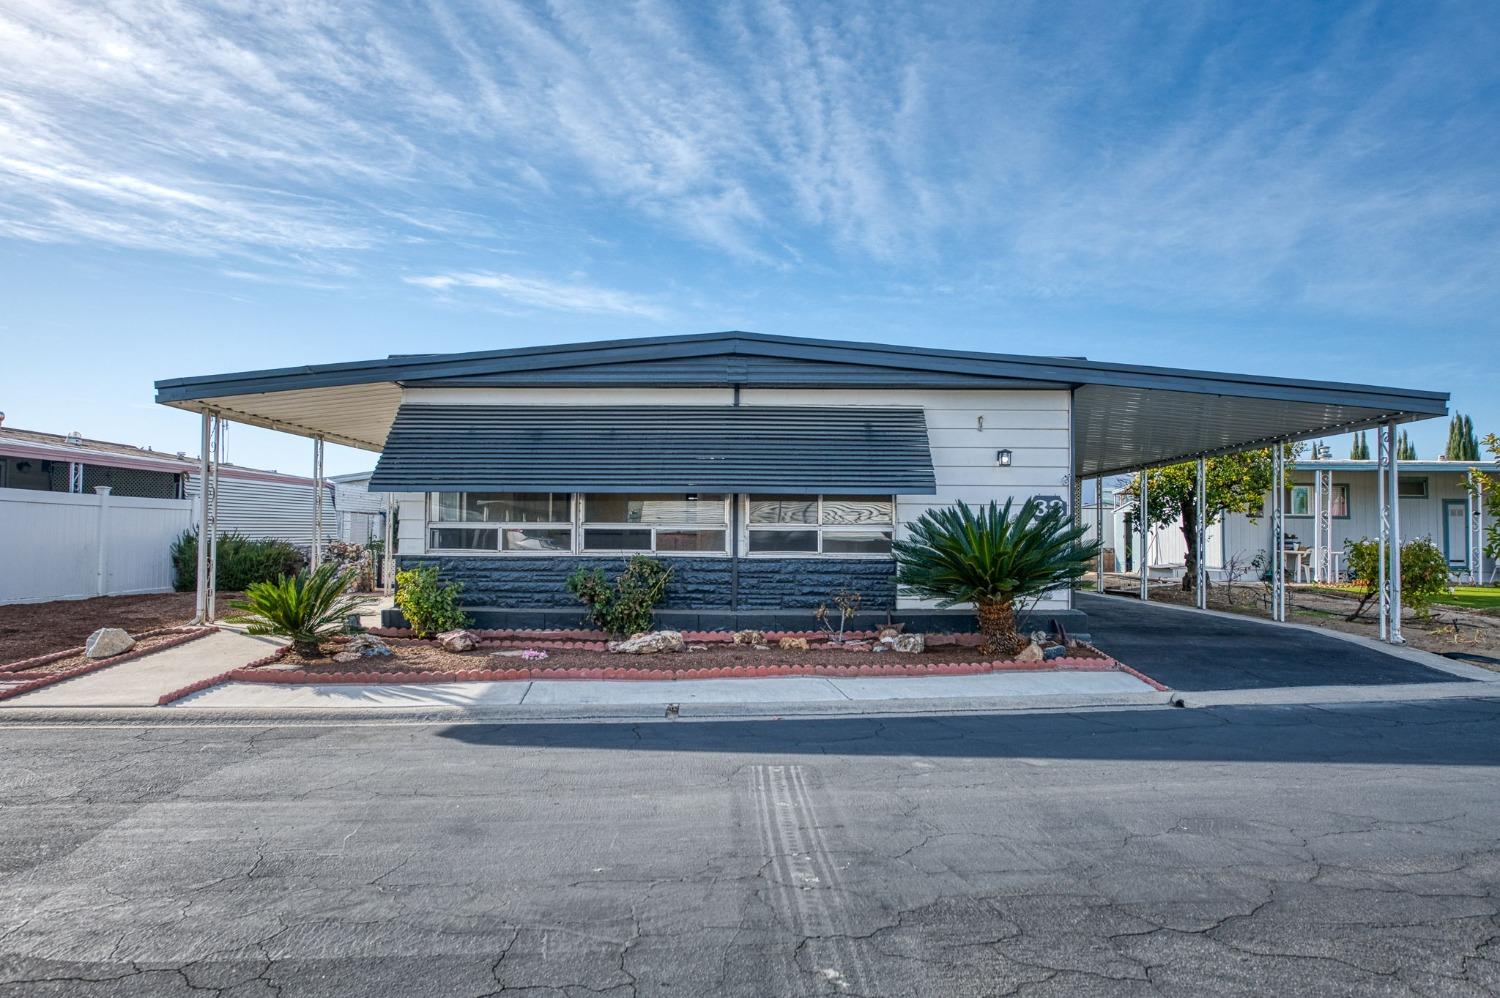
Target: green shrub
x=429 y=605
x=241 y=562
x=627 y=606
x=1424 y=573
x=992 y=557
x=307 y=608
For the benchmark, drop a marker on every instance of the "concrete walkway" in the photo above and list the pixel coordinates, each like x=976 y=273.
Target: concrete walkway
x=791 y=691
x=141 y=682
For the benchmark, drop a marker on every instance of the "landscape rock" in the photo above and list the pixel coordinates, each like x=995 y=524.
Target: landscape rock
x=365 y=646
x=347 y=656
x=749 y=637
x=854 y=646
x=793 y=644
x=697 y=647
x=762 y=647
x=909 y=644
x=1053 y=651
x=649 y=643
x=458 y=641
x=107 y=642
x=889 y=631
x=1031 y=653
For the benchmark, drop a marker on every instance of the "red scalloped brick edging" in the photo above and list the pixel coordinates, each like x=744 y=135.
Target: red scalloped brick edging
x=222 y=677
x=297 y=677
x=53 y=656
x=188 y=634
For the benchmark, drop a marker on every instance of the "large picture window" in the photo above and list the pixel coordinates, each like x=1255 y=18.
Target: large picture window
x=659 y=522
x=840 y=526
x=538 y=522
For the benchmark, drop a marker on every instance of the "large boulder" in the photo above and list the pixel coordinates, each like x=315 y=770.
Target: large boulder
x=749 y=637
x=792 y=644
x=1031 y=653
x=649 y=643
x=107 y=642
x=458 y=641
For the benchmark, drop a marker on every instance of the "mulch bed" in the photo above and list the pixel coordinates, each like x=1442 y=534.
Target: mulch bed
x=26 y=675
x=31 y=629
x=412 y=655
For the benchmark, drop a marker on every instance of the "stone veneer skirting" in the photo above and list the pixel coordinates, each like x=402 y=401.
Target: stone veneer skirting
x=773 y=594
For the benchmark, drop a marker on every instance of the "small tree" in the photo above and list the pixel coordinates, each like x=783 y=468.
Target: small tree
x=848 y=602
x=992 y=557
x=1489 y=482
x=1405 y=449
x=1360 y=449
x=1463 y=445
x=1234 y=483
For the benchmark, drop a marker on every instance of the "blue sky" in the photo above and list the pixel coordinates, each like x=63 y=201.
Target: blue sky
x=1296 y=189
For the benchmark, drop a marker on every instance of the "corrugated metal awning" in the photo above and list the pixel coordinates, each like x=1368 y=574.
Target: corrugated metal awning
x=510 y=448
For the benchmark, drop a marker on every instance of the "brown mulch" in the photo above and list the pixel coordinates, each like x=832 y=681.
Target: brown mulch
x=31 y=629
x=56 y=666
x=422 y=656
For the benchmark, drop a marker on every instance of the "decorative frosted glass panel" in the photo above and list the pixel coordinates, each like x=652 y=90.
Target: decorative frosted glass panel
x=1340 y=500
x=784 y=509
x=605 y=539
x=690 y=540
x=537 y=540
x=503 y=507
x=793 y=541
x=655 y=508
x=461 y=539
x=856 y=542
x=857 y=509
x=1300 y=501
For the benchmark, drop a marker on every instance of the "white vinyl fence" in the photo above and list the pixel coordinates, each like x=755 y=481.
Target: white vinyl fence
x=61 y=545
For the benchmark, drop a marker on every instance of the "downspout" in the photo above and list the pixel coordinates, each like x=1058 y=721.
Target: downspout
x=734 y=537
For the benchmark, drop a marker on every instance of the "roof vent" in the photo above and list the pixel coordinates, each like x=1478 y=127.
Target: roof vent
x=75 y=438
x=182 y=455
x=2 y=419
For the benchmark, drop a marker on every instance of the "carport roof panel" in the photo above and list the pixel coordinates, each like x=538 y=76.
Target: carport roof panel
x=1134 y=414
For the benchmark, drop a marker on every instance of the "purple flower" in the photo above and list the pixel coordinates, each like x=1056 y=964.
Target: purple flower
x=533 y=654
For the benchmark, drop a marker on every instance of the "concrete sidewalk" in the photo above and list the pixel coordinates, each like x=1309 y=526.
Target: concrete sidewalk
x=142 y=681
x=788 y=691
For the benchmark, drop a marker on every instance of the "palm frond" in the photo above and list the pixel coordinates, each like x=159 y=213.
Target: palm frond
x=306 y=607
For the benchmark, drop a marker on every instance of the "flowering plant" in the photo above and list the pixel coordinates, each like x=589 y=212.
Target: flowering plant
x=533 y=654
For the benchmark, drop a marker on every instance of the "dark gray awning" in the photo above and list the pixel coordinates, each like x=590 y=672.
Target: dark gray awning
x=512 y=448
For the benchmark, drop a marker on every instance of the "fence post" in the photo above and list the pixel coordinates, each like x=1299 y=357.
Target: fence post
x=101 y=583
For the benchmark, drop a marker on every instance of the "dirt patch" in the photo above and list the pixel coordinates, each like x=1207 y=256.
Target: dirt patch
x=31 y=629
x=422 y=656
x=143 y=644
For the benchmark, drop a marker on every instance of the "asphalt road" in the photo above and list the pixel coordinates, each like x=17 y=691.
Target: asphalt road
x=1195 y=652
x=1239 y=851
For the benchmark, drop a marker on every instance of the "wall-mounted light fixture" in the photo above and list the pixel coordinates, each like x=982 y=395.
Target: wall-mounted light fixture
x=1002 y=458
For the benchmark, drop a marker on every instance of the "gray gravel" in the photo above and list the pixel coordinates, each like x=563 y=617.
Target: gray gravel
x=1232 y=850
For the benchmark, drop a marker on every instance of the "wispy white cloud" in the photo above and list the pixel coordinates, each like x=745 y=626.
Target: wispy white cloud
x=539 y=293
x=1337 y=158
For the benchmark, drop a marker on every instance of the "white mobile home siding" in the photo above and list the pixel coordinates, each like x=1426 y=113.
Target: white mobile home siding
x=964 y=428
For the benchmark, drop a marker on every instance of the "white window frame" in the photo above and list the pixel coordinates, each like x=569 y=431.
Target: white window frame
x=581 y=525
x=498 y=526
x=818 y=529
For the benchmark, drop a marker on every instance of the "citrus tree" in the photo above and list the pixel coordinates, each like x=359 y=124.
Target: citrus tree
x=992 y=557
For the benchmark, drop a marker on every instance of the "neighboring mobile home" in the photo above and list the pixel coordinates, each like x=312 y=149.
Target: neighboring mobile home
x=770 y=470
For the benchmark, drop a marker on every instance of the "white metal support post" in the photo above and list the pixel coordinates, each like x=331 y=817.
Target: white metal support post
x=200 y=608
x=1200 y=538
x=1142 y=561
x=1278 y=532
x=1476 y=528
x=1099 y=532
x=388 y=552
x=1323 y=570
x=211 y=491
x=1382 y=463
x=1393 y=504
x=317 y=539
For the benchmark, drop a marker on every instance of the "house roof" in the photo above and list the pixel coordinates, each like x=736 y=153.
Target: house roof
x=1127 y=415
x=1415 y=467
x=37 y=445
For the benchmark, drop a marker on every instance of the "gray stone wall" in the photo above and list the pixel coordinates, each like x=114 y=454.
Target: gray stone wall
x=697 y=583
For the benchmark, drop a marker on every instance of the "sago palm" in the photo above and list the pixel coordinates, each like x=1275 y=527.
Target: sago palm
x=307 y=608
x=991 y=557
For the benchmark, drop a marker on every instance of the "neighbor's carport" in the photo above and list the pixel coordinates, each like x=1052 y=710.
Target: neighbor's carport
x=1126 y=418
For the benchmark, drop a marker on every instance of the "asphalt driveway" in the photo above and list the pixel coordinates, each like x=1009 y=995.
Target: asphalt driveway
x=1192 y=651
x=1224 y=851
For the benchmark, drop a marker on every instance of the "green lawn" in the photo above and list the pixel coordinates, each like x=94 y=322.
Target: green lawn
x=1474 y=597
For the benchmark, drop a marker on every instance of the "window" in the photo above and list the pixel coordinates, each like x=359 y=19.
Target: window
x=534 y=522
x=1300 y=500
x=1411 y=488
x=844 y=526
x=664 y=523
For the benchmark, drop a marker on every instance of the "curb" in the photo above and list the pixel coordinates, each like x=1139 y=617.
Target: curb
x=188 y=634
